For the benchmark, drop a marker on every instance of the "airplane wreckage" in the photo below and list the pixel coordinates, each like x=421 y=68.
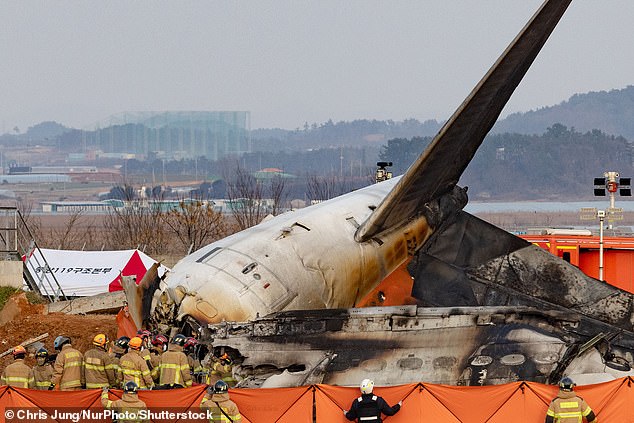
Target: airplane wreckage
x=490 y=307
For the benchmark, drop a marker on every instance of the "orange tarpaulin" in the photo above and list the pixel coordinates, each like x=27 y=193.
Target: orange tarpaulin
x=125 y=324
x=519 y=402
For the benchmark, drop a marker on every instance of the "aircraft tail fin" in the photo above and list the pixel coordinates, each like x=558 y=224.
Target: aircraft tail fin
x=438 y=169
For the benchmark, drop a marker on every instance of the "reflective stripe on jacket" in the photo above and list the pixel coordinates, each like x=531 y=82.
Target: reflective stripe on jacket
x=132 y=367
x=174 y=369
x=215 y=402
x=18 y=374
x=69 y=369
x=100 y=369
x=569 y=408
x=129 y=403
x=42 y=376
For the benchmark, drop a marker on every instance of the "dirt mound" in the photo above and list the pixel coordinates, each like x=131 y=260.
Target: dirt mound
x=30 y=322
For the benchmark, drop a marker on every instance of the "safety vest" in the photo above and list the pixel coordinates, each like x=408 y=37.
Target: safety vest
x=368 y=409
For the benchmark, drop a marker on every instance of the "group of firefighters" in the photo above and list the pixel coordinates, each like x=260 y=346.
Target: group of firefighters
x=151 y=362
x=141 y=362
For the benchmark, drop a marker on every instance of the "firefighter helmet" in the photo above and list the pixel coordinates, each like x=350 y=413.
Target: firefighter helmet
x=225 y=359
x=60 y=341
x=135 y=343
x=122 y=342
x=190 y=343
x=130 y=387
x=159 y=340
x=19 y=352
x=179 y=339
x=220 y=387
x=567 y=384
x=42 y=352
x=143 y=333
x=100 y=340
x=367 y=385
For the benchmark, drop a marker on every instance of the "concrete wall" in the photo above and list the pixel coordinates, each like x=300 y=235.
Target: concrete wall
x=11 y=273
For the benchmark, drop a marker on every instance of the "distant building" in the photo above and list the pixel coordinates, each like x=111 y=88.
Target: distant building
x=171 y=135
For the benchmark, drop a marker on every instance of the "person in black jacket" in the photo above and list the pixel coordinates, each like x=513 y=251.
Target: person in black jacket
x=368 y=407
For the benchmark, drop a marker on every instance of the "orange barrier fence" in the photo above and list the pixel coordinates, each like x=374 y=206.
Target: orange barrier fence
x=519 y=402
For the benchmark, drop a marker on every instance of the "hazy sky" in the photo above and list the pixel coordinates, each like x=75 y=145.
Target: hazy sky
x=291 y=61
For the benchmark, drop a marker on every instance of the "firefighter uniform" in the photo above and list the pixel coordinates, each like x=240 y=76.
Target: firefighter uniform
x=100 y=369
x=195 y=368
x=42 y=375
x=133 y=368
x=130 y=404
x=173 y=369
x=18 y=374
x=222 y=370
x=216 y=404
x=155 y=357
x=68 y=371
x=567 y=407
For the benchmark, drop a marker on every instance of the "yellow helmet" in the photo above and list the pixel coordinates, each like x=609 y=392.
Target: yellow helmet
x=100 y=340
x=135 y=343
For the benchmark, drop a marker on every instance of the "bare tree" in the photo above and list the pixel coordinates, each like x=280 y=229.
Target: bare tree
x=279 y=194
x=245 y=194
x=195 y=224
x=136 y=226
x=322 y=188
x=75 y=233
x=28 y=224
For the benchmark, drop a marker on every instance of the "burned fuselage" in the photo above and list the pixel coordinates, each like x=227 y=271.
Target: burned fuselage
x=396 y=345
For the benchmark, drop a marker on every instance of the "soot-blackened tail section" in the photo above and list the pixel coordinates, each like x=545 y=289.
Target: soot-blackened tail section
x=469 y=262
x=440 y=166
x=463 y=242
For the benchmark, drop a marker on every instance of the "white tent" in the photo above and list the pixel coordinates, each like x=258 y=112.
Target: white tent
x=85 y=273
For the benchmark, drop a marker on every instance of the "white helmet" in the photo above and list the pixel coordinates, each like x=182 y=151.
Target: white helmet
x=366 y=386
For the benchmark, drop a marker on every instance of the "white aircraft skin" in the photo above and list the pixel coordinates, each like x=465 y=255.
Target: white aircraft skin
x=303 y=259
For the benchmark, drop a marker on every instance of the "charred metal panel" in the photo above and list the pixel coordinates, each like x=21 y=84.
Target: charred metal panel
x=485 y=257
x=469 y=345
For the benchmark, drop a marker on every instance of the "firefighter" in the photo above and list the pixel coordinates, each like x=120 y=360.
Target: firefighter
x=217 y=401
x=119 y=348
x=368 y=408
x=145 y=336
x=42 y=371
x=133 y=368
x=195 y=367
x=68 y=371
x=18 y=374
x=173 y=370
x=100 y=367
x=159 y=346
x=567 y=407
x=129 y=403
x=222 y=369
